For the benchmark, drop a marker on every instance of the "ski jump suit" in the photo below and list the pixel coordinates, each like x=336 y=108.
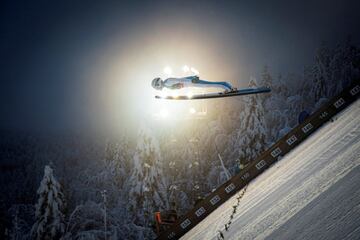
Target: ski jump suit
x=194 y=81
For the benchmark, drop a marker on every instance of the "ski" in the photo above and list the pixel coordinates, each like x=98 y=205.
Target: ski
x=245 y=91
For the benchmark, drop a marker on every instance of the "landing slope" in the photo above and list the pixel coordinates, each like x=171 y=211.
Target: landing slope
x=312 y=193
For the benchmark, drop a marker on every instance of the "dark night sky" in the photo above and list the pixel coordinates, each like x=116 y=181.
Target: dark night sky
x=54 y=53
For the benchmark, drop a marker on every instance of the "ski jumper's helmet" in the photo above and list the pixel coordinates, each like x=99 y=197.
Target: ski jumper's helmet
x=157 y=83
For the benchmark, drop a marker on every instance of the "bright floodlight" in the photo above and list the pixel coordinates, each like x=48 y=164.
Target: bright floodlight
x=174 y=94
x=185 y=68
x=189 y=94
x=164 y=113
x=194 y=70
x=168 y=70
x=192 y=110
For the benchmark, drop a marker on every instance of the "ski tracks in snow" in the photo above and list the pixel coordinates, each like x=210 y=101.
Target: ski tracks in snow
x=292 y=183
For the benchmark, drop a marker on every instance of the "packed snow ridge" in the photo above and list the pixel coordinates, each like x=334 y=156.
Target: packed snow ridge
x=312 y=193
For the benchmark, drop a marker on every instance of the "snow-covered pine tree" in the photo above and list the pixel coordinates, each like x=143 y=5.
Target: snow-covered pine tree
x=334 y=69
x=49 y=214
x=146 y=186
x=15 y=233
x=305 y=88
x=118 y=150
x=266 y=81
x=276 y=106
x=251 y=137
x=179 y=197
x=280 y=88
x=22 y=220
x=87 y=222
x=320 y=74
x=117 y=159
x=343 y=67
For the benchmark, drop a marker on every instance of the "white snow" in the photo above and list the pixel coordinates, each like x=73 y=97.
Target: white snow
x=312 y=193
x=49 y=208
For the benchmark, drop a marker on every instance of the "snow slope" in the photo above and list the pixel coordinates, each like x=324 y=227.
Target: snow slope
x=312 y=193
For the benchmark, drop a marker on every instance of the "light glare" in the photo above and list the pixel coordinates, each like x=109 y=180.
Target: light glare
x=164 y=113
x=194 y=71
x=174 y=94
x=186 y=68
x=189 y=94
x=192 y=110
x=163 y=94
x=168 y=70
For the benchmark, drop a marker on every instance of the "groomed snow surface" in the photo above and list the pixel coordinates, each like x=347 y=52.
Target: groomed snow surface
x=312 y=193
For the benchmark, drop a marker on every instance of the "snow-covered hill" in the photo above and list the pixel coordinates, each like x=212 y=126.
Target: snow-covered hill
x=312 y=193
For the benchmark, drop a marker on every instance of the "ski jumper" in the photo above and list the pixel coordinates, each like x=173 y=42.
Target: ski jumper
x=194 y=81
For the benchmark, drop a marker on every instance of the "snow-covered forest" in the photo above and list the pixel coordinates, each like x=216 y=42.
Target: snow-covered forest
x=76 y=187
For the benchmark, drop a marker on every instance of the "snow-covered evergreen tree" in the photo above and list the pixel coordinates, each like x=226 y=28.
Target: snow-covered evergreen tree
x=295 y=107
x=218 y=174
x=49 y=213
x=87 y=222
x=266 y=79
x=251 y=137
x=305 y=88
x=320 y=73
x=179 y=197
x=15 y=233
x=276 y=106
x=146 y=186
x=333 y=70
x=117 y=160
x=280 y=88
x=22 y=216
x=344 y=66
